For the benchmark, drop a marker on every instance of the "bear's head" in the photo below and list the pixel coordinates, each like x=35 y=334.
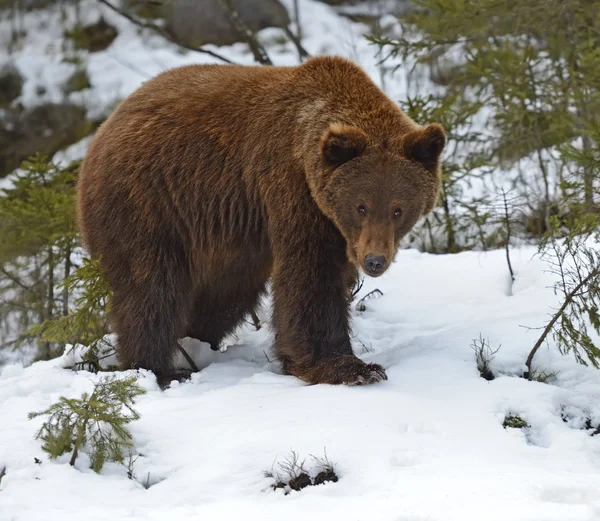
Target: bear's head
x=376 y=194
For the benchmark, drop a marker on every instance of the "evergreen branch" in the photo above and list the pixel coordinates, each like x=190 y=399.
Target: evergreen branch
x=164 y=33
x=568 y=300
x=95 y=421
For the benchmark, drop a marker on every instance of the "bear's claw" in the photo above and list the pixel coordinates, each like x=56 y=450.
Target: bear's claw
x=370 y=374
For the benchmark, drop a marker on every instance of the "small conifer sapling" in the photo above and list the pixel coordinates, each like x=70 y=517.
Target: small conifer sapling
x=96 y=422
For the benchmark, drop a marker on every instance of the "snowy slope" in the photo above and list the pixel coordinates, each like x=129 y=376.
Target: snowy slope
x=428 y=444
x=136 y=56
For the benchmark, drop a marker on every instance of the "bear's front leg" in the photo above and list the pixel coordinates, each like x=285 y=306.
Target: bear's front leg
x=311 y=316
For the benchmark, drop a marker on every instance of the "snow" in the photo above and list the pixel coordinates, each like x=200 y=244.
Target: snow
x=428 y=444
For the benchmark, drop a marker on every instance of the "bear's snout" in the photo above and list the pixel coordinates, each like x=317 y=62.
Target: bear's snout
x=374 y=264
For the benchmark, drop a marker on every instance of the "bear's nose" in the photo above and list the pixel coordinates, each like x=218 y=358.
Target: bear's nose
x=374 y=264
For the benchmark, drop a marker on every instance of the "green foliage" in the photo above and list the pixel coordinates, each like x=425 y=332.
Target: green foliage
x=571 y=249
x=512 y=421
x=465 y=157
x=576 y=263
x=541 y=376
x=44 y=295
x=527 y=77
x=39 y=210
x=534 y=70
x=37 y=239
x=95 y=422
x=87 y=323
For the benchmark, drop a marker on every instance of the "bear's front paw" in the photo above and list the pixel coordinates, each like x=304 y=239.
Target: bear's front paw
x=368 y=374
x=336 y=370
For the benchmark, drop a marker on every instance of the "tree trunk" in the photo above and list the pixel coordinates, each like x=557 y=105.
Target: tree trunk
x=46 y=350
x=65 y=293
x=451 y=238
x=588 y=178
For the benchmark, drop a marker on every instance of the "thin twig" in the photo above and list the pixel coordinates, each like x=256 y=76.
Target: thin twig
x=14 y=279
x=164 y=33
x=357 y=287
x=507 y=217
x=188 y=358
x=255 y=319
x=2 y=473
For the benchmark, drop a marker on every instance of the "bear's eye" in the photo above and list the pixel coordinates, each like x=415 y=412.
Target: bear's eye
x=362 y=211
x=397 y=212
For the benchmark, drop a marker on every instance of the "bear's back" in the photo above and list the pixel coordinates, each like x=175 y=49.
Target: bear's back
x=208 y=135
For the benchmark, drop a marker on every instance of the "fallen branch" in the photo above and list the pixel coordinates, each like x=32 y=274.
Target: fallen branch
x=259 y=52
x=302 y=52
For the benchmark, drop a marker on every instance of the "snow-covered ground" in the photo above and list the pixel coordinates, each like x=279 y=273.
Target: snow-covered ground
x=428 y=444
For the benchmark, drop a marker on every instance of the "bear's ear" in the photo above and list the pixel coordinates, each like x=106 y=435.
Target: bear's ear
x=342 y=143
x=425 y=145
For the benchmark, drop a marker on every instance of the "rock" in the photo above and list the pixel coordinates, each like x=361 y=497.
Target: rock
x=79 y=80
x=198 y=22
x=362 y=7
x=94 y=37
x=45 y=129
x=11 y=84
x=145 y=9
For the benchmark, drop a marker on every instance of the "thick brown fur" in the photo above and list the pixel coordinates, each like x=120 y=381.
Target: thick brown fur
x=211 y=179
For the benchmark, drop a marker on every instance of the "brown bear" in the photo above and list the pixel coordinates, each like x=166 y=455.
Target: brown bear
x=210 y=180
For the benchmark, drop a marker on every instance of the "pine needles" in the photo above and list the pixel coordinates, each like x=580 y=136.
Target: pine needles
x=577 y=267
x=96 y=422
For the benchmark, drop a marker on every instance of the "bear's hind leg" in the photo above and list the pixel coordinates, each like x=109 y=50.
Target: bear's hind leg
x=215 y=315
x=149 y=318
